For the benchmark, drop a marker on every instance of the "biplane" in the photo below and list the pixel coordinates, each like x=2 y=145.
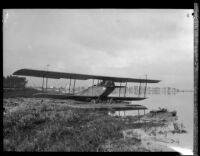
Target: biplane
x=97 y=92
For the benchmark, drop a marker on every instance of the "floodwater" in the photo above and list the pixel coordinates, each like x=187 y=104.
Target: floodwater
x=182 y=103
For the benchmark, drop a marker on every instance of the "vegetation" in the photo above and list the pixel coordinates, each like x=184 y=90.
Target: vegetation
x=14 y=82
x=34 y=124
x=38 y=128
x=19 y=92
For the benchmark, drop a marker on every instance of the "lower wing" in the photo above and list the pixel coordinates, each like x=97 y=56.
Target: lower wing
x=126 y=98
x=86 y=98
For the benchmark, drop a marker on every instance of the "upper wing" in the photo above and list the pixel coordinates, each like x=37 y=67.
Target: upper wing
x=50 y=74
x=58 y=75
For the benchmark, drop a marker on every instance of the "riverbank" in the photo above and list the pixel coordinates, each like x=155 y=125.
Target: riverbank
x=33 y=124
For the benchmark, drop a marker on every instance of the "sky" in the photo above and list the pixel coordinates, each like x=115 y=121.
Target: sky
x=110 y=42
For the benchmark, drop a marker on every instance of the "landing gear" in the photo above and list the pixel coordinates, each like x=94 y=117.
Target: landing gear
x=93 y=101
x=110 y=101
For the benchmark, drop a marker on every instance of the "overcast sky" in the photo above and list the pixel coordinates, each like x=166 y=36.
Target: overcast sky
x=110 y=42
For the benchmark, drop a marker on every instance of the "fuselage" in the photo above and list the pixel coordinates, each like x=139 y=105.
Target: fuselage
x=102 y=89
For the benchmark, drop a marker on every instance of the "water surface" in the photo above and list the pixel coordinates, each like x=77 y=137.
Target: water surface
x=182 y=103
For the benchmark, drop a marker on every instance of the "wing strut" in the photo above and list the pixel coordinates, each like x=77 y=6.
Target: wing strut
x=125 y=90
x=139 y=89
x=74 y=85
x=145 y=87
x=46 y=83
x=120 y=89
x=69 y=85
x=43 y=84
x=92 y=86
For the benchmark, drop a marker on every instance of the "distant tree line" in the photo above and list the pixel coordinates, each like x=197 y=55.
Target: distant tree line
x=14 y=82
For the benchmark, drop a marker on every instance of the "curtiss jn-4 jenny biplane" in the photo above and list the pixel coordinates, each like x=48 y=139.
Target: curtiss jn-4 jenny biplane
x=96 y=93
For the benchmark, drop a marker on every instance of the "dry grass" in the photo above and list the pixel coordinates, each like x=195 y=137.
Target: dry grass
x=32 y=124
x=45 y=127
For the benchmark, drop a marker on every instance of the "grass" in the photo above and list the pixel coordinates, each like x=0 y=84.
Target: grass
x=47 y=128
x=30 y=124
